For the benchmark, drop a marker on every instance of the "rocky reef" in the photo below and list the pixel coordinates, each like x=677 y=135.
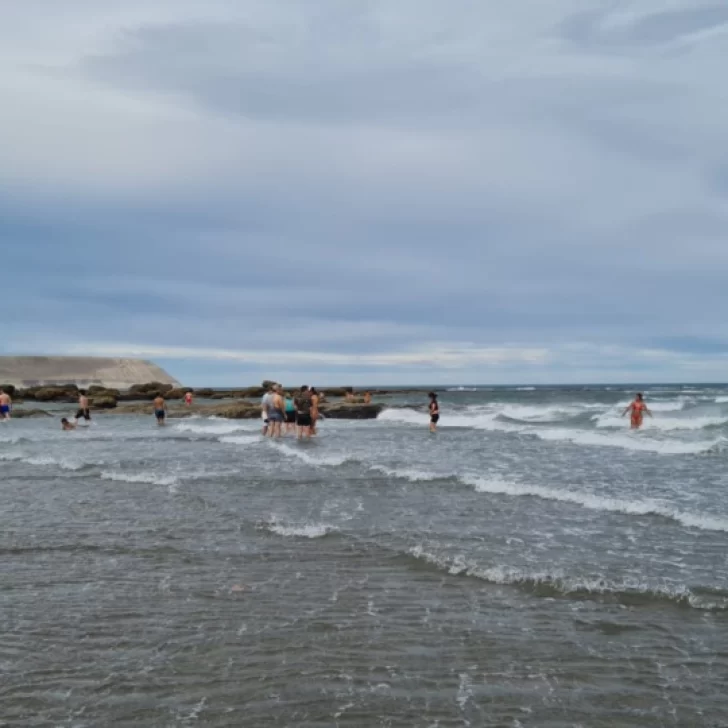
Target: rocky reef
x=246 y=410
x=243 y=403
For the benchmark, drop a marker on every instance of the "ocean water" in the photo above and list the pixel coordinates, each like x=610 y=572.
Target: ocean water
x=535 y=563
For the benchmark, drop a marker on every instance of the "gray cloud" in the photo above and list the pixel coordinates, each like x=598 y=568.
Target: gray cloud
x=370 y=181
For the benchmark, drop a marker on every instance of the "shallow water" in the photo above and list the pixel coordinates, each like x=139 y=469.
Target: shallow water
x=533 y=564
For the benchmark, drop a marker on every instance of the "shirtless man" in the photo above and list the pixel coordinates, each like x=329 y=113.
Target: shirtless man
x=6 y=405
x=83 y=410
x=638 y=408
x=276 y=412
x=160 y=409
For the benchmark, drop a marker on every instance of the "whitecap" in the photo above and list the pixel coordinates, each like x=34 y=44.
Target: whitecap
x=411 y=474
x=240 y=439
x=213 y=426
x=44 y=460
x=301 y=530
x=627 y=440
x=639 y=507
x=150 y=478
x=630 y=441
x=320 y=461
x=560 y=583
x=662 y=423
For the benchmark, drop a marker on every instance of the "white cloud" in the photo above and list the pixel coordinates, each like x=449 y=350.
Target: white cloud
x=434 y=355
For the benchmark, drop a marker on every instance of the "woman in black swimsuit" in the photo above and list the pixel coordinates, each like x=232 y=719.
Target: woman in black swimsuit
x=434 y=411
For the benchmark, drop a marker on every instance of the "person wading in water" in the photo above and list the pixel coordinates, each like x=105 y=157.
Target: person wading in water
x=434 y=411
x=638 y=409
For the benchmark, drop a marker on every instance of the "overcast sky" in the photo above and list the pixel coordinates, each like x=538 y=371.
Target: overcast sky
x=394 y=191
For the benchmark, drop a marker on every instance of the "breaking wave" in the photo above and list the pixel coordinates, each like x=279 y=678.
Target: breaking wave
x=412 y=474
x=150 y=478
x=309 y=459
x=240 y=439
x=548 y=584
x=302 y=530
x=535 y=421
x=635 y=507
x=47 y=460
x=213 y=426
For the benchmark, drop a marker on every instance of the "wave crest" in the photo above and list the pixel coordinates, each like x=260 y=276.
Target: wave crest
x=301 y=530
x=549 y=584
x=700 y=521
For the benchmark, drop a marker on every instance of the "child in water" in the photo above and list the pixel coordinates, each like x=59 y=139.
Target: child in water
x=66 y=425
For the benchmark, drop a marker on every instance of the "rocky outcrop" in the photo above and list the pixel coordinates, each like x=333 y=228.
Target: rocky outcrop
x=103 y=392
x=52 y=394
x=351 y=411
x=177 y=393
x=150 y=387
x=103 y=403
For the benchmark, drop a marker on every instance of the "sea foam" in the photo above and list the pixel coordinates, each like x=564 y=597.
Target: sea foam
x=150 y=478
x=301 y=530
x=549 y=583
x=637 y=507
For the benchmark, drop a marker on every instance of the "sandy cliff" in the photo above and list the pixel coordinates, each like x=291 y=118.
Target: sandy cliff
x=30 y=371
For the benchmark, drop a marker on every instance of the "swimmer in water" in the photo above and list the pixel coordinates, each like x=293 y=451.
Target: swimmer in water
x=434 y=409
x=66 y=425
x=638 y=409
x=6 y=405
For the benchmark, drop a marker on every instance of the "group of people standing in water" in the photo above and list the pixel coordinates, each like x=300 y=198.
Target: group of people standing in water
x=298 y=412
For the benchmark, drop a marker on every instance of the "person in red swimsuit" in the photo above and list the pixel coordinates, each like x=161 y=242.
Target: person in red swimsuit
x=638 y=409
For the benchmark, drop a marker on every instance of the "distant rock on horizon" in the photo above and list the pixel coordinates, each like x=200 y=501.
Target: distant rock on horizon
x=32 y=371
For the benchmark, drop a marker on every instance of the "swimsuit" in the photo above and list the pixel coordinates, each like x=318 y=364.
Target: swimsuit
x=83 y=412
x=290 y=412
x=159 y=414
x=637 y=408
x=4 y=409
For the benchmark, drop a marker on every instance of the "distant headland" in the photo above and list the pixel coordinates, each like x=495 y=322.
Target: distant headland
x=83 y=371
